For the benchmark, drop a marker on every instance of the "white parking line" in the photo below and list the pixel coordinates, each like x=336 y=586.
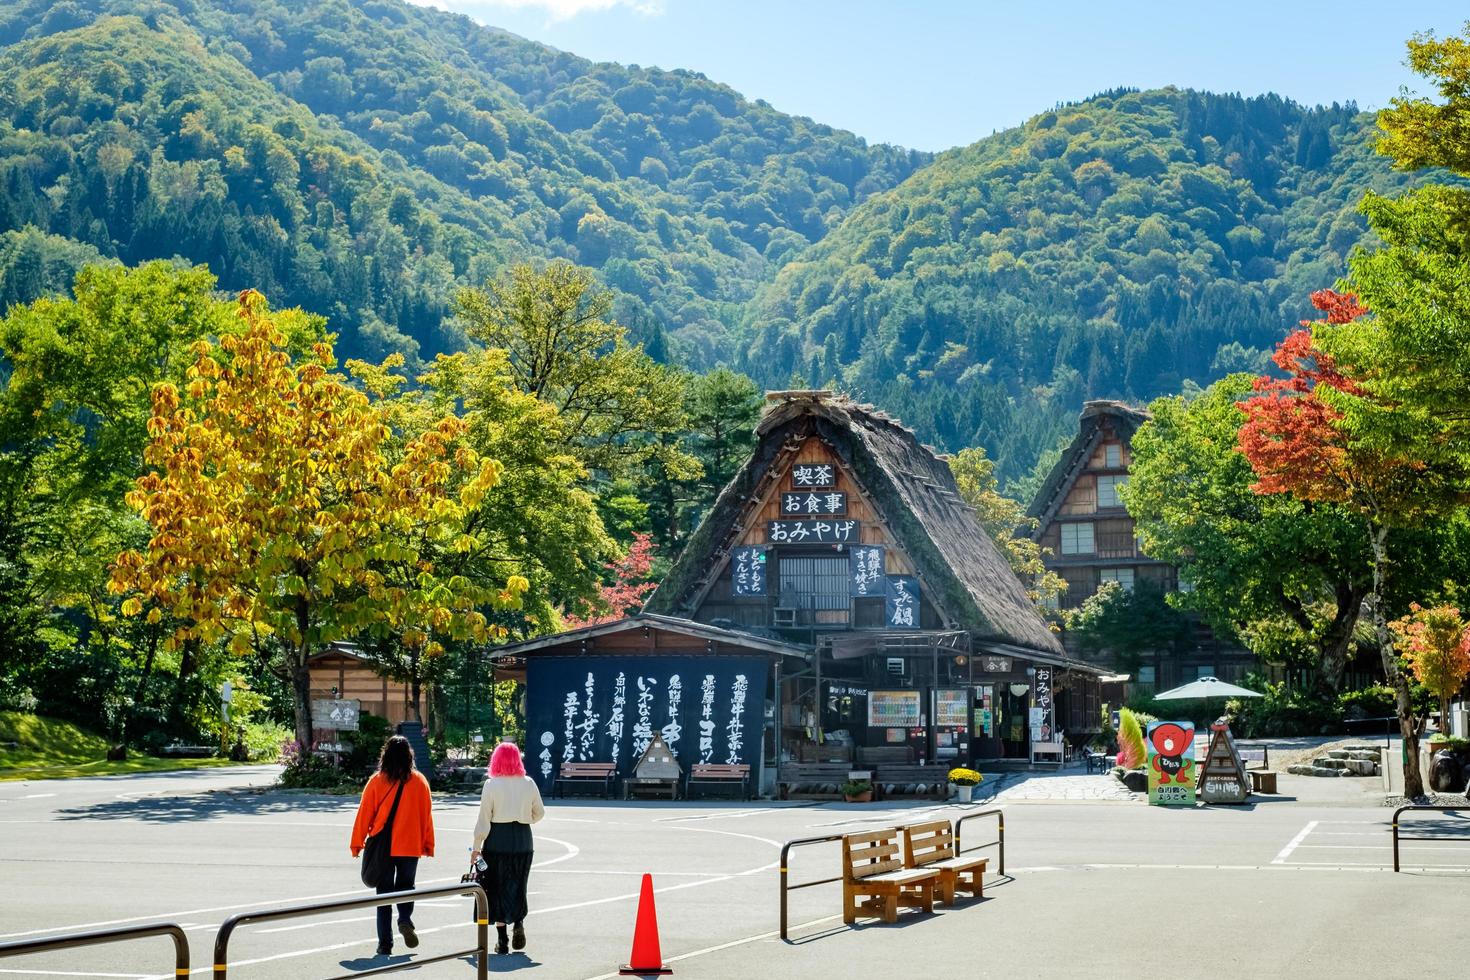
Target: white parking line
x=1295 y=841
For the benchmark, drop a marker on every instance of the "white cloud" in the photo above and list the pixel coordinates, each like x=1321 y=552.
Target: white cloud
x=555 y=9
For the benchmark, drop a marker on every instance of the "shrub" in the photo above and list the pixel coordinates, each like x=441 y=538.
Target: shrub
x=1368 y=702
x=1131 y=751
x=366 y=743
x=305 y=769
x=1282 y=711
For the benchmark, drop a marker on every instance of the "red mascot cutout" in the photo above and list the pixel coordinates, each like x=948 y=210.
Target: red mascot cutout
x=1171 y=741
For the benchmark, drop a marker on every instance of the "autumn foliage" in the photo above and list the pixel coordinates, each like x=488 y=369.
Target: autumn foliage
x=1435 y=642
x=284 y=515
x=629 y=587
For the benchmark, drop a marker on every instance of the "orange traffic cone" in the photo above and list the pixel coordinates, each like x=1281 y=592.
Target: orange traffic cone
x=646 y=960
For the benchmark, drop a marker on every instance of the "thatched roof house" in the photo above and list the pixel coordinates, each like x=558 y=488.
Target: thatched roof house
x=915 y=505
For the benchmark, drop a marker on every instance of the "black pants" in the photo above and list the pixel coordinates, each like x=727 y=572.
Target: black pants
x=398 y=879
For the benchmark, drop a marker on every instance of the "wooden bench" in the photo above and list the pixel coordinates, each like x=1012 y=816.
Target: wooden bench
x=1262 y=780
x=813 y=778
x=931 y=845
x=719 y=775
x=933 y=779
x=594 y=775
x=872 y=866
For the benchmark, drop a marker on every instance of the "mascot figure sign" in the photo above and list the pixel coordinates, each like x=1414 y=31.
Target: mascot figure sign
x=1170 y=763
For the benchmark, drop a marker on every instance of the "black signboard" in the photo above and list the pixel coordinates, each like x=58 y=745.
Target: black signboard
x=748 y=570
x=901 y=602
x=806 y=475
x=814 y=503
x=865 y=570
x=607 y=709
x=1042 y=687
x=811 y=532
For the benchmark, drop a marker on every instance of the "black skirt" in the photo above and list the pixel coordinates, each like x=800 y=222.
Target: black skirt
x=508 y=853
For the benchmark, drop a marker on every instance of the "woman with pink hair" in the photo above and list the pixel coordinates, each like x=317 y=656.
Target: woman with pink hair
x=509 y=804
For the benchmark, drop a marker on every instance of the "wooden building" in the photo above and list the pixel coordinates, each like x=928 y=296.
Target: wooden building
x=1092 y=540
x=341 y=671
x=893 y=631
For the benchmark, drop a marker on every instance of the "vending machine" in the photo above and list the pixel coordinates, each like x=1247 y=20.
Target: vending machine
x=950 y=709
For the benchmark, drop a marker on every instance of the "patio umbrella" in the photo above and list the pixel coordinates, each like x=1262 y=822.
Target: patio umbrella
x=1206 y=687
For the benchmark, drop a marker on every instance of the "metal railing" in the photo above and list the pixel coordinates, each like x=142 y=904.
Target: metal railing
x=1421 y=806
x=1000 y=838
x=786 y=887
x=101 y=937
x=480 y=949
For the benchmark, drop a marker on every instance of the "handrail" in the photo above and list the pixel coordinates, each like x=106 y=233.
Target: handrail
x=1000 y=841
x=482 y=922
x=100 y=937
x=1419 y=806
x=806 y=884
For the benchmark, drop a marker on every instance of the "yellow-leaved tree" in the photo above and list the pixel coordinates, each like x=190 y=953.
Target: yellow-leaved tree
x=284 y=518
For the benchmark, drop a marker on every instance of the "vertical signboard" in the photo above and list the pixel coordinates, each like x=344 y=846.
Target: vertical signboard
x=1046 y=722
x=748 y=571
x=1170 y=765
x=607 y=709
x=901 y=602
x=865 y=567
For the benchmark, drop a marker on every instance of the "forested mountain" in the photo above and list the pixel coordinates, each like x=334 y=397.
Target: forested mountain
x=365 y=158
x=1113 y=248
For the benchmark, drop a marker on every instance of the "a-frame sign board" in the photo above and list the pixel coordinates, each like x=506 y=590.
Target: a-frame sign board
x=1222 y=777
x=657 y=770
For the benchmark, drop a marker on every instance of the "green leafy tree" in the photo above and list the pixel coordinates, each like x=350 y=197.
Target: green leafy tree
x=1005 y=521
x=614 y=402
x=1287 y=575
x=1128 y=623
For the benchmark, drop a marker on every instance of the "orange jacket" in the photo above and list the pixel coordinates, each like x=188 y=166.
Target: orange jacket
x=413 y=827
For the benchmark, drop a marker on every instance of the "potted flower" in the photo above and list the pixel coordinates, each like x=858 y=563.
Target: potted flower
x=962 y=783
x=857 y=791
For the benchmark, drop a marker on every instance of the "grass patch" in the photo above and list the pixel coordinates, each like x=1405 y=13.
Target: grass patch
x=45 y=748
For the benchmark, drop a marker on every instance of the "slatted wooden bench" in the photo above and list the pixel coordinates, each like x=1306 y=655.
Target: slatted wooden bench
x=719 y=774
x=813 y=778
x=593 y=775
x=872 y=865
x=931 y=846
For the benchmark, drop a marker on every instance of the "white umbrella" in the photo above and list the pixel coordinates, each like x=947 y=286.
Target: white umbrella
x=1206 y=687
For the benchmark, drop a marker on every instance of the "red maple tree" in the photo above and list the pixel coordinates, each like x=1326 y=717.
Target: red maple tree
x=628 y=589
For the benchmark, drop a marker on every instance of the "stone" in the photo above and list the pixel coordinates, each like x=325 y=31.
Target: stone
x=1361 y=767
x=1369 y=756
x=1337 y=753
x=1327 y=771
x=1301 y=769
x=1361 y=748
x=1329 y=763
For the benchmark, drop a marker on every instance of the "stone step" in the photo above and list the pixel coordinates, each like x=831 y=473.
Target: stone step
x=1325 y=762
x=1303 y=769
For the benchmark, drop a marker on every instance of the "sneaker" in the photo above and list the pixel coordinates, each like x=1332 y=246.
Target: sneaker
x=384 y=950
x=518 y=937
x=410 y=938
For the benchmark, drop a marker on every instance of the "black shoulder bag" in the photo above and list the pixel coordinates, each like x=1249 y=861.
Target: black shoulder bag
x=377 y=850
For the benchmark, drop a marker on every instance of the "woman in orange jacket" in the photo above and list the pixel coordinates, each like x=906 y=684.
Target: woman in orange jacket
x=413 y=832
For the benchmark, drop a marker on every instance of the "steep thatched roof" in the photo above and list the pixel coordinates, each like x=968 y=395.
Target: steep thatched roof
x=962 y=572
x=1125 y=420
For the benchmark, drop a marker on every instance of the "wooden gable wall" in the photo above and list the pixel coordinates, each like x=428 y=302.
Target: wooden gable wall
x=719 y=602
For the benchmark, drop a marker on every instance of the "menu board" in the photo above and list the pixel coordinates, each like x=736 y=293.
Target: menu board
x=894 y=709
x=951 y=708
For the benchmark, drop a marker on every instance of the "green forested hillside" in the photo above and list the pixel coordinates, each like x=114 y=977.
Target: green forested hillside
x=444 y=149
x=1113 y=248
x=366 y=158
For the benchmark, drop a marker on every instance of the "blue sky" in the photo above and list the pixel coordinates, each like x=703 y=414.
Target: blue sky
x=932 y=74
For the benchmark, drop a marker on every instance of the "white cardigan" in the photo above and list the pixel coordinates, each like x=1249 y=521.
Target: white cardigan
x=507 y=799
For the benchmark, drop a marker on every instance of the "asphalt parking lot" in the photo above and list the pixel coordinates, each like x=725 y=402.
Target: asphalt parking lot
x=1103 y=887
